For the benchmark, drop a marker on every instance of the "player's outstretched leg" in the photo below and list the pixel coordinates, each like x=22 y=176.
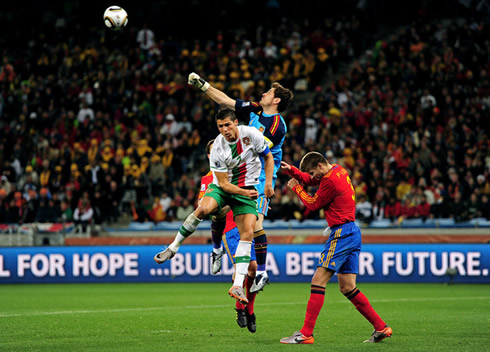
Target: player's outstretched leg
x=188 y=227
x=360 y=301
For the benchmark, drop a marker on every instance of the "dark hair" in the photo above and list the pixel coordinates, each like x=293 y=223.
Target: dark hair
x=311 y=160
x=208 y=146
x=286 y=96
x=225 y=113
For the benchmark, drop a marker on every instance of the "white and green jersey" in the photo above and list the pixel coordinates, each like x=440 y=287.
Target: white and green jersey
x=240 y=158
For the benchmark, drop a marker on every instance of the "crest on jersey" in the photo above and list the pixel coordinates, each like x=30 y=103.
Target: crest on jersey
x=217 y=164
x=246 y=140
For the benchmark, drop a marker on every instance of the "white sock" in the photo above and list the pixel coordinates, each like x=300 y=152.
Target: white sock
x=175 y=245
x=188 y=227
x=242 y=261
x=218 y=250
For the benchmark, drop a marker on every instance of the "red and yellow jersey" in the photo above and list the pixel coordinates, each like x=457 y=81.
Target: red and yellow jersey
x=206 y=180
x=335 y=194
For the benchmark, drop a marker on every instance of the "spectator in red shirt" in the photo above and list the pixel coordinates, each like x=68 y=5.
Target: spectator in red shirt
x=422 y=210
x=407 y=210
x=393 y=209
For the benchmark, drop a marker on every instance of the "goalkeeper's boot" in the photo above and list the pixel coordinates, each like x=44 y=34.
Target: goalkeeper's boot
x=217 y=258
x=252 y=327
x=377 y=336
x=260 y=281
x=163 y=256
x=241 y=317
x=237 y=293
x=298 y=338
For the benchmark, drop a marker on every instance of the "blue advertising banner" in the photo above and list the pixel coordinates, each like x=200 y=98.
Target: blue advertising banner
x=285 y=263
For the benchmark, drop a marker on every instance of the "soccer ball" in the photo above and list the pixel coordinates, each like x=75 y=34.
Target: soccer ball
x=115 y=18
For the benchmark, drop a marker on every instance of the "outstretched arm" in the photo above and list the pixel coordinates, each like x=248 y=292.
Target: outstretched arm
x=215 y=94
x=302 y=177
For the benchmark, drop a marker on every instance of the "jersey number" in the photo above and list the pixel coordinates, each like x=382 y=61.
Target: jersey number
x=350 y=184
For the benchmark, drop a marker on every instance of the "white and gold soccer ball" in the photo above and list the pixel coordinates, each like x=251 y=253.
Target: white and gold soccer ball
x=115 y=18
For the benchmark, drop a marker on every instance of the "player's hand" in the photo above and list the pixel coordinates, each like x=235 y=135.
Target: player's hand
x=292 y=182
x=285 y=166
x=196 y=81
x=252 y=193
x=268 y=190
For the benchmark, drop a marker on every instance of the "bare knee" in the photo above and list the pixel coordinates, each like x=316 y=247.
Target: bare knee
x=246 y=236
x=202 y=211
x=347 y=282
x=321 y=277
x=346 y=288
x=258 y=225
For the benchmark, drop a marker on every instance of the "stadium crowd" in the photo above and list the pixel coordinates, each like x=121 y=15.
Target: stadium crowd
x=93 y=131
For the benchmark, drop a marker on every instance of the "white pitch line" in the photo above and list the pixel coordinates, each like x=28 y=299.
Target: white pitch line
x=142 y=309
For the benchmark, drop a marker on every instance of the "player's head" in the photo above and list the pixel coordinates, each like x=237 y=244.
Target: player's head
x=314 y=164
x=227 y=124
x=225 y=113
x=278 y=97
x=209 y=146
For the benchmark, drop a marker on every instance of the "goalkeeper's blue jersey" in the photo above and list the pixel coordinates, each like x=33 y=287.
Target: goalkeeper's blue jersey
x=272 y=127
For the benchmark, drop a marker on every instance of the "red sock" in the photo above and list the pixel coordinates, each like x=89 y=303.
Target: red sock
x=250 y=296
x=364 y=307
x=315 y=304
x=240 y=305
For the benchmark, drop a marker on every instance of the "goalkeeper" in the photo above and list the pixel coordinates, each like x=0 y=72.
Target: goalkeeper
x=266 y=117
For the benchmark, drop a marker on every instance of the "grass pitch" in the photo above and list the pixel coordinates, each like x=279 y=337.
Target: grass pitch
x=200 y=317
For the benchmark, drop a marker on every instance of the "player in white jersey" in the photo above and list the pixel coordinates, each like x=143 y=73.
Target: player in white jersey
x=236 y=166
x=266 y=117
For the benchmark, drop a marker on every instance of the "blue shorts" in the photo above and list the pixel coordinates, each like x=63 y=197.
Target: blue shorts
x=230 y=242
x=262 y=200
x=341 y=251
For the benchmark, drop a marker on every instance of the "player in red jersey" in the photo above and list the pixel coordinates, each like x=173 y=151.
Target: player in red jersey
x=224 y=230
x=336 y=196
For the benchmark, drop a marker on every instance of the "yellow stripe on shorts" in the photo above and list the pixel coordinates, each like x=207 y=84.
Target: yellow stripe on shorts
x=331 y=250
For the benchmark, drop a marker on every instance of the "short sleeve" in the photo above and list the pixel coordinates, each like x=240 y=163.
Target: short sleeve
x=216 y=160
x=259 y=142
